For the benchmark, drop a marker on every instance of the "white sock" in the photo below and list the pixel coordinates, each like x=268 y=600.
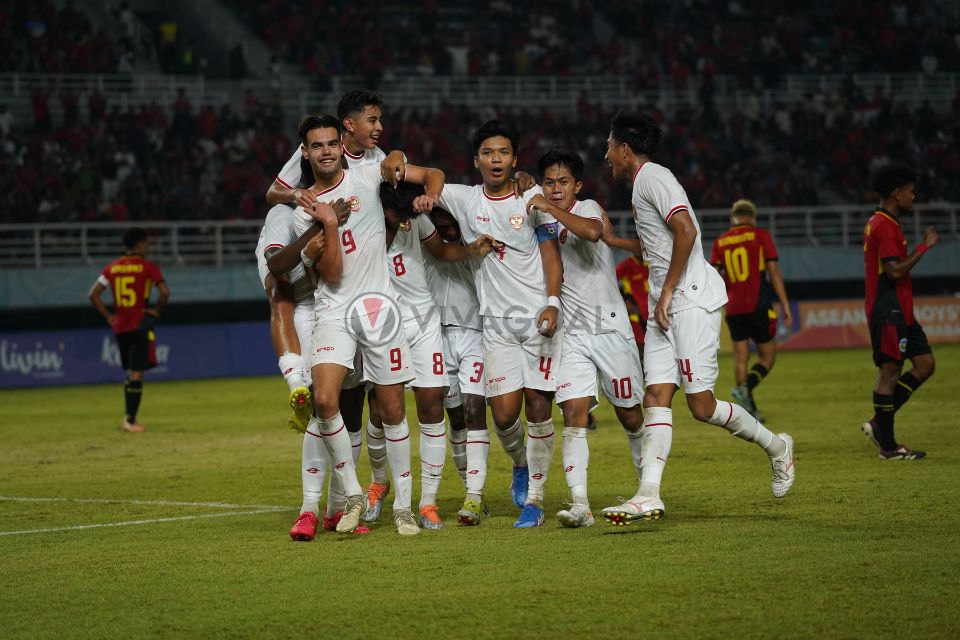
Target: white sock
x=377 y=450
x=356 y=445
x=539 y=454
x=478 y=448
x=433 y=454
x=398 y=454
x=335 y=495
x=737 y=421
x=655 y=448
x=512 y=441
x=337 y=442
x=313 y=468
x=458 y=449
x=576 y=457
x=291 y=366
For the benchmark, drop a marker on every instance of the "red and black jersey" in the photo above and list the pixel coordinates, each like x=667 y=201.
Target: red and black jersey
x=887 y=301
x=130 y=279
x=634 y=277
x=742 y=254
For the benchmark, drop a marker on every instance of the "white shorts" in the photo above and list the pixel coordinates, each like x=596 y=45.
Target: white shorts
x=426 y=346
x=516 y=356
x=463 y=354
x=384 y=363
x=614 y=356
x=686 y=354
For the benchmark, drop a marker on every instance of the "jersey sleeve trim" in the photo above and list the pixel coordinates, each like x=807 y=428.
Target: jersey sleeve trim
x=282 y=182
x=679 y=207
x=430 y=235
x=274 y=244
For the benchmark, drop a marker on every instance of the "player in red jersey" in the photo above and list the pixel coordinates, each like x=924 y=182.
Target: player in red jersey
x=634 y=277
x=894 y=331
x=131 y=279
x=747 y=259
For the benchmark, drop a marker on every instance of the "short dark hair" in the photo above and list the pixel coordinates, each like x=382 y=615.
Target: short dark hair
x=356 y=101
x=314 y=121
x=890 y=177
x=570 y=159
x=640 y=132
x=134 y=236
x=400 y=200
x=493 y=128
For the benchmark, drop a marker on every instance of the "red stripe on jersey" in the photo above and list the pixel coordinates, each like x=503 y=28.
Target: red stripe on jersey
x=282 y=182
x=429 y=236
x=343 y=174
x=679 y=207
x=273 y=244
x=350 y=155
x=496 y=198
x=637 y=172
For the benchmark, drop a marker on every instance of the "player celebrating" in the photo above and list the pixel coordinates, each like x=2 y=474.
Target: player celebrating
x=743 y=255
x=130 y=280
x=686 y=295
x=596 y=330
x=518 y=287
x=894 y=331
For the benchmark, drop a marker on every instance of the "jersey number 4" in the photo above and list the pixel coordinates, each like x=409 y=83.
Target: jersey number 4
x=685 y=369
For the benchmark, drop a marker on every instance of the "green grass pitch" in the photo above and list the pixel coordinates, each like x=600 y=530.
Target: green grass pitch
x=860 y=548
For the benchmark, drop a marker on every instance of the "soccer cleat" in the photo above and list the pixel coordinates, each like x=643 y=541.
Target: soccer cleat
x=741 y=395
x=405 y=522
x=353 y=509
x=784 y=471
x=530 y=517
x=472 y=512
x=305 y=528
x=576 y=516
x=902 y=452
x=518 y=486
x=633 y=510
x=430 y=517
x=302 y=405
x=375 y=496
x=131 y=427
x=869 y=430
x=330 y=523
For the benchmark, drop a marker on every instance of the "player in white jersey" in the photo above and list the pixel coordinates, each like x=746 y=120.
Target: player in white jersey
x=357 y=312
x=597 y=337
x=518 y=286
x=683 y=332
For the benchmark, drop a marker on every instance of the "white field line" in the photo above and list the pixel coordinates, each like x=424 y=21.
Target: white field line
x=128 y=523
x=159 y=503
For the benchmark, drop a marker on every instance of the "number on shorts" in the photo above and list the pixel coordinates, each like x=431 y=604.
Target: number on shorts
x=346 y=239
x=622 y=388
x=395 y=359
x=685 y=368
x=545 y=364
x=477 y=372
x=438 y=364
x=398 y=267
x=501 y=251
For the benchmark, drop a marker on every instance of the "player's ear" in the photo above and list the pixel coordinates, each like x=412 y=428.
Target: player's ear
x=476 y=162
x=348 y=125
x=303 y=152
x=577 y=186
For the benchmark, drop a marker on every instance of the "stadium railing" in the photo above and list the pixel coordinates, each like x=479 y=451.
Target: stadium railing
x=227 y=242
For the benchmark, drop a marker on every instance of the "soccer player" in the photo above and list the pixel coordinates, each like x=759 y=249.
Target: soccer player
x=357 y=312
x=747 y=258
x=683 y=334
x=596 y=330
x=894 y=331
x=634 y=277
x=130 y=280
x=518 y=286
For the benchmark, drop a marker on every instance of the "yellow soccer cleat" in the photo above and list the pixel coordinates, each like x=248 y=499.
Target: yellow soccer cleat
x=302 y=404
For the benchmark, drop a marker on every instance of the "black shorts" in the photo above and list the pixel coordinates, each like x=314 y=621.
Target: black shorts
x=138 y=348
x=759 y=326
x=897 y=342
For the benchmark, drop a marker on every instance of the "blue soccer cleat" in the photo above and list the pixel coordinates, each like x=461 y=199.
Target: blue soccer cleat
x=530 y=517
x=518 y=486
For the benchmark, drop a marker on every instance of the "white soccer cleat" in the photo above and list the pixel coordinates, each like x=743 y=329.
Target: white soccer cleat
x=406 y=523
x=353 y=509
x=784 y=471
x=576 y=516
x=633 y=510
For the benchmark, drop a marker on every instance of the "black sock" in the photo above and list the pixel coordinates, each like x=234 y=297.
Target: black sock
x=883 y=417
x=906 y=385
x=757 y=373
x=132 y=392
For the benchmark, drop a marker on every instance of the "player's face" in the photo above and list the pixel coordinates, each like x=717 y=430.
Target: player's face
x=559 y=186
x=365 y=127
x=391 y=219
x=496 y=161
x=447 y=227
x=323 y=151
x=905 y=196
x=617 y=159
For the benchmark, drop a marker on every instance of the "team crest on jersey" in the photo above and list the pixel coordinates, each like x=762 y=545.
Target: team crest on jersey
x=354 y=203
x=374 y=318
x=405 y=225
x=516 y=222
x=563 y=236
x=903 y=345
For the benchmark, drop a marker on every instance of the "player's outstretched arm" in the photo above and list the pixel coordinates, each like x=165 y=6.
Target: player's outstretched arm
x=454 y=252
x=684 y=235
x=776 y=280
x=894 y=269
x=589 y=229
x=278 y=194
x=432 y=181
x=95 y=297
x=612 y=240
x=553 y=276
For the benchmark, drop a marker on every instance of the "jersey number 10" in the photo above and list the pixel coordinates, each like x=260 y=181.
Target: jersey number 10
x=738 y=266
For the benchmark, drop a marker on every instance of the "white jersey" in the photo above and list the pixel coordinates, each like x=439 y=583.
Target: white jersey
x=590 y=296
x=290 y=175
x=278 y=232
x=405 y=261
x=657 y=196
x=362 y=242
x=454 y=288
x=510 y=282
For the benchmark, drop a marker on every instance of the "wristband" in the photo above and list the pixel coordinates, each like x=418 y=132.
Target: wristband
x=553 y=301
x=922 y=248
x=307 y=262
